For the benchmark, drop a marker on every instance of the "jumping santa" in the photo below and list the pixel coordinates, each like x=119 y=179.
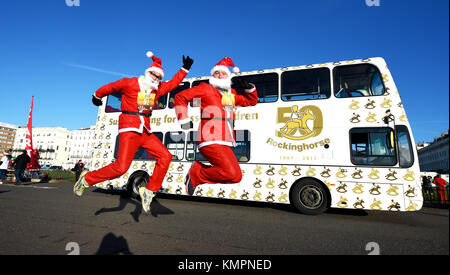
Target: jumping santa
x=218 y=102
x=139 y=94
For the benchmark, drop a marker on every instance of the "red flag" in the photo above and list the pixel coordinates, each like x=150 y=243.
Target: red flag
x=33 y=154
x=29 y=135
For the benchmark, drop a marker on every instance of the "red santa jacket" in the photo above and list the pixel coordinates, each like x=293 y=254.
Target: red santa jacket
x=440 y=183
x=217 y=123
x=136 y=99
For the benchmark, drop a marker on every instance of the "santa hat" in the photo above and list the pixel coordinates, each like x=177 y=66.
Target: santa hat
x=223 y=66
x=156 y=65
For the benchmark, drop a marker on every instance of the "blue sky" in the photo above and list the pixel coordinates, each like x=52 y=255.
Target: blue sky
x=62 y=54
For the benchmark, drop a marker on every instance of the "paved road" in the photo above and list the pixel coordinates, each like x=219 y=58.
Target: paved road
x=48 y=219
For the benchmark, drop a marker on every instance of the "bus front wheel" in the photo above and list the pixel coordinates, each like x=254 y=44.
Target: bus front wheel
x=310 y=197
x=136 y=180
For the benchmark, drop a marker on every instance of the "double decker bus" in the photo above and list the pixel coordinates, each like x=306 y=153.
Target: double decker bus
x=322 y=135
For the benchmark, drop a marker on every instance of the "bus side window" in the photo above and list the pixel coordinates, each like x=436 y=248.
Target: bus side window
x=141 y=154
x=161 y=103
x=242 y=150
x=113 y=103
x=198 y=82
x=174 y=142
x=191 y=145
x=196 y=101
x=305 y=84
x=372 y=146
x=183 y=86
x=266 y=86
x=357 y=80
x=405 y=152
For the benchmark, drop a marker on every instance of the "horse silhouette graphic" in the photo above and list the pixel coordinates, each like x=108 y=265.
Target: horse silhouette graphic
x=298 y=124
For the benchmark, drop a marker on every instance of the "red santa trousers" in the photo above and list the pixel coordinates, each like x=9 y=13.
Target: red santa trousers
x=225 y=167
x=129 y=143
x=442 y=193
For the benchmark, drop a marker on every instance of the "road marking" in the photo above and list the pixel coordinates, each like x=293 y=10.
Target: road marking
x=31 y=186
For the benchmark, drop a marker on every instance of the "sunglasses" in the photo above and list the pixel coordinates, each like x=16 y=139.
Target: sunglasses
x=156 y=76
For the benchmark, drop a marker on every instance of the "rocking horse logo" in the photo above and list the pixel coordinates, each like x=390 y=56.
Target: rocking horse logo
x=303 y=123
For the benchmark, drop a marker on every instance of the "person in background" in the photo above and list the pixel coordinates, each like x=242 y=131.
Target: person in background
x=4 y=165
x=78 y=168
x=20 y=164
x=426 y=185
x=440 y=184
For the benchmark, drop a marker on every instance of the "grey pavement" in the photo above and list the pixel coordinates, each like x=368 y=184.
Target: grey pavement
x=48 y=219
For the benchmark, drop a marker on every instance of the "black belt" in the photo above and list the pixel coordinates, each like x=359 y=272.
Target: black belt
x=229 y=119
x=137 y=113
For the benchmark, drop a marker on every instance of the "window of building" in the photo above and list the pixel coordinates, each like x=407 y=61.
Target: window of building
x=372 y=146
x=357 y=80
x=174 y=142
x=266 y=86
x=305 y=84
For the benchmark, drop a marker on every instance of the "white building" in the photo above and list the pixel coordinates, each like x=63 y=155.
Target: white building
x=434 y=156
x=53 y=144
x=7 y=136
x=82 y=143
x=58 y=146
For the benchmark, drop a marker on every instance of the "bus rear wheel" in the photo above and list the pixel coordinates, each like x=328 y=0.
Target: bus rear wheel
x=310 y=197
x=136 y=180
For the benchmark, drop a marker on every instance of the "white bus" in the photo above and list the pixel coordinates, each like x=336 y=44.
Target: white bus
x=322 y=135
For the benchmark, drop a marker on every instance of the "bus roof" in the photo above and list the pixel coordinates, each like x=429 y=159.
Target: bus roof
x=326 y=64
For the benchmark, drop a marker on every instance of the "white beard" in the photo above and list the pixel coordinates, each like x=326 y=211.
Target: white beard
x=150 y=84
x=221 y=84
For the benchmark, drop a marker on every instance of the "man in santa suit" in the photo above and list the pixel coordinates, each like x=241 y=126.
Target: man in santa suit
x=218 y=102
x=139 y=94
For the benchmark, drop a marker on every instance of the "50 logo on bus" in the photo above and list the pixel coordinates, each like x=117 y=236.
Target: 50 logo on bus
x=299 y=124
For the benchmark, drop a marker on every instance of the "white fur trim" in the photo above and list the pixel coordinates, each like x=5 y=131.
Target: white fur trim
x=220 y=68
x=97 y=97
x=183 y=121
x=223 y=84
x=187 y=71
x=251 y=90
x=131 y=130
x=141 y=82
x=220 y=142
x=149 y=54
x=235 y=70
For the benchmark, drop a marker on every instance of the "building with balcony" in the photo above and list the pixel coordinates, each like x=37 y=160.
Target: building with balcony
x=82 y=144
x=7 y=136
x=52 y=143
x=434 y=156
